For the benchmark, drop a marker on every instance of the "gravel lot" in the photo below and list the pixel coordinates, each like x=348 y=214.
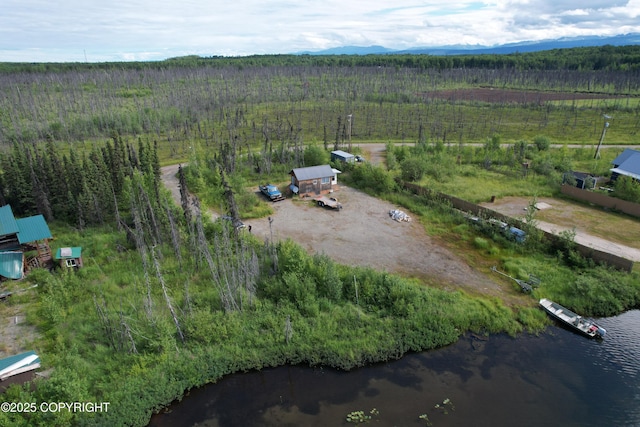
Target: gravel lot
x=363 y=233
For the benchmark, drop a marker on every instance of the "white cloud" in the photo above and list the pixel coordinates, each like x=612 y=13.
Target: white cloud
x=38 y=30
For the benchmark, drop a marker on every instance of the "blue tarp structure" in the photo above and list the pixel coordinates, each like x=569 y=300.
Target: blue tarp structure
x=11 y=265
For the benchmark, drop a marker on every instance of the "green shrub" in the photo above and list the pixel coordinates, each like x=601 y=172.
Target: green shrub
x=481 y=243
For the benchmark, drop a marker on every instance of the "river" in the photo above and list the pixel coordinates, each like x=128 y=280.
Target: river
x=555 y=378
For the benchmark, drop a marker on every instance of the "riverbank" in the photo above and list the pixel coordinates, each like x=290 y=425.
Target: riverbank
x=545 y=379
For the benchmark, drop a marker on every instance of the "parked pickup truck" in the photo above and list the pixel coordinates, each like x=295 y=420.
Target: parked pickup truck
x=330 y=202
x=271 y=192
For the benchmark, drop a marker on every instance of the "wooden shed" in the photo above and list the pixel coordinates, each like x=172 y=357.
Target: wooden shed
x=69 y=257
x=584 y=180
x=313 y=181
x=18 y=369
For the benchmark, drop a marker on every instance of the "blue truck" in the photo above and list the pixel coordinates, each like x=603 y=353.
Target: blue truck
x=271 y=192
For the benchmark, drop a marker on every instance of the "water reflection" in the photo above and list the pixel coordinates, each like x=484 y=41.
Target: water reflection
x=557 y=378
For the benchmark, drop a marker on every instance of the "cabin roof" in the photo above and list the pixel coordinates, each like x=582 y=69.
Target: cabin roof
x=8 y=223
x=18 y=363
x=29 y=229
x=627 y=163
x=33 y=228
x=312 y=172
x=624 y=156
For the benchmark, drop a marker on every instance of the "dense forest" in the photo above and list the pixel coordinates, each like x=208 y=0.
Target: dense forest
x=169 y=299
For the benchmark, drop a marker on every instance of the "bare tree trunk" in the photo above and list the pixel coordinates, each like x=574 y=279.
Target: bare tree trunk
x=203 y=249
x=138 y=235
x=175 y=234
x=164 y=293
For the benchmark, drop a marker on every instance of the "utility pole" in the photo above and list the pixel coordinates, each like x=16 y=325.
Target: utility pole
x=604 y=131
x=349 y=129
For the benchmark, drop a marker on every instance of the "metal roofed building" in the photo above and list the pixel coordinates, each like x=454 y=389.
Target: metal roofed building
x=32 y=229
x=70 y=257
x=18 y=369
x=12 y=265
x=342 y=156
x=313 y=180
x=8 y=228
x=23 y=235
x=626 y=164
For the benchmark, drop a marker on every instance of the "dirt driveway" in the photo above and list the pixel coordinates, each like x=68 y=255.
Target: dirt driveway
x=364 y=234
x=594 y=227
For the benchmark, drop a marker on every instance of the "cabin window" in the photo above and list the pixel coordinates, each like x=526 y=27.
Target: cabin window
x=315 y=182
x=71 y=262
x=326 y=180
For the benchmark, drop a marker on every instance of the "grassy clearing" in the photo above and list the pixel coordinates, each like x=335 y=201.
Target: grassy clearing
x=476 y=185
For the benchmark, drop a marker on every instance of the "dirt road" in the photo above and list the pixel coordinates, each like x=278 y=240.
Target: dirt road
x=587 y=221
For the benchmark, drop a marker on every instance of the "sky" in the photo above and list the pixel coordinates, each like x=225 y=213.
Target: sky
x=146 y=30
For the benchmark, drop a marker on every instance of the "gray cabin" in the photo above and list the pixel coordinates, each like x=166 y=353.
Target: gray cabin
x=313 y=181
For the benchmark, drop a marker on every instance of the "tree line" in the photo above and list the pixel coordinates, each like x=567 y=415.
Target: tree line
x=89 y=188
x=609 y=58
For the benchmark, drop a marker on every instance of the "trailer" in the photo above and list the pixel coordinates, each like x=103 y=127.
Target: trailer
x=330 y=202
x=526 y=285
x=271 y=192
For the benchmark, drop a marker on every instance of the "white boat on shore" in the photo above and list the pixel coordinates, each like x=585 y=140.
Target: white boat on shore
x=585 y=326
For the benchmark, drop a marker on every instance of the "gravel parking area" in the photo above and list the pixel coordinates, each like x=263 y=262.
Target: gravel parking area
x=364 y=234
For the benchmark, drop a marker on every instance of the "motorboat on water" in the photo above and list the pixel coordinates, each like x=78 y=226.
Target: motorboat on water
x=576 y=322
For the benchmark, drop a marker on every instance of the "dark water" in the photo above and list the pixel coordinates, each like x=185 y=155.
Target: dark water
x=556 y=379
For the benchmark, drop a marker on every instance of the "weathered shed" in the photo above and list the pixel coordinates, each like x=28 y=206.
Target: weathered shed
x=18 y=369
x=69 y=257
x=343 y=156
x=29 y=236
x=584 y=180
x=313 y=180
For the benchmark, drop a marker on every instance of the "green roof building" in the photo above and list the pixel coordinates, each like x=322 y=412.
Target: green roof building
x=19 y=236
x=70 y=257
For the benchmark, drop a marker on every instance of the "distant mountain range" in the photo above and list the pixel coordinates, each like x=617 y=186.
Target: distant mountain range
x=522 y=47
